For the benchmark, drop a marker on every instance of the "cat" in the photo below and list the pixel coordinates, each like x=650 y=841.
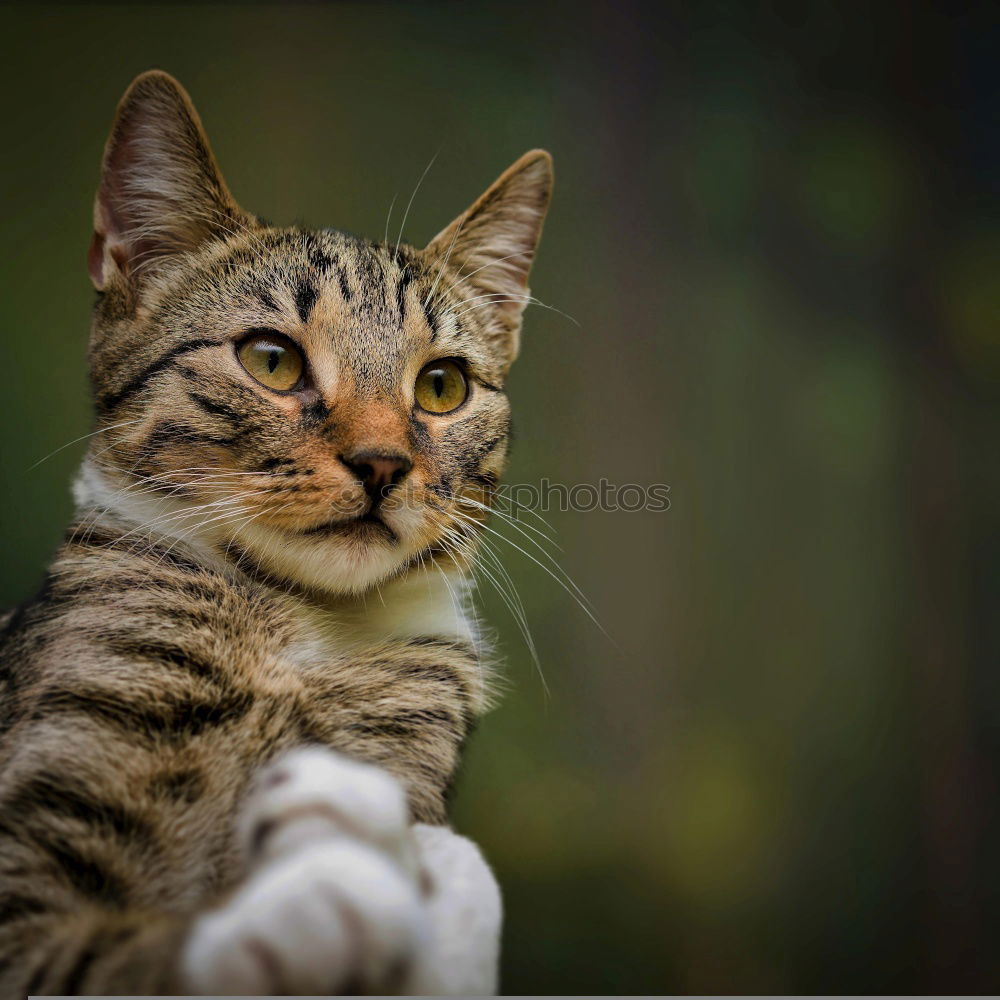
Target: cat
x=231 y=718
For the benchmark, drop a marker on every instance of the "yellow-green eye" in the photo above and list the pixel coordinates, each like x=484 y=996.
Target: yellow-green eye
x=441 y=387
x=272 y=360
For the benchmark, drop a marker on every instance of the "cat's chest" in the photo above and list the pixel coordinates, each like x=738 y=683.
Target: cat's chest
x=420 y=606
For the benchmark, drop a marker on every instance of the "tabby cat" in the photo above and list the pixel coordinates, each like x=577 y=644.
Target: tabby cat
x=231 y=718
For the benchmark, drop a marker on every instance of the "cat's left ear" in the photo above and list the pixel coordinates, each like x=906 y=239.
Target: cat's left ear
x=491 y=246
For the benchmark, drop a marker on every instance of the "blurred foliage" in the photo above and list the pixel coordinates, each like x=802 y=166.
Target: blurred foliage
x=777 y=226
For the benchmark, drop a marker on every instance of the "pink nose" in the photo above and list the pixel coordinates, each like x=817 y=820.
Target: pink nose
x=378 y=473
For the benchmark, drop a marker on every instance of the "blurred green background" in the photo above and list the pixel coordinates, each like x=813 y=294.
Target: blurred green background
x=777 y=226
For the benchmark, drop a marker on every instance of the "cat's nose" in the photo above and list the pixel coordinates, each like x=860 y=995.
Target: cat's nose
x=378 y=473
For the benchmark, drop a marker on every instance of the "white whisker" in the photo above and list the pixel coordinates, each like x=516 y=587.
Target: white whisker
x=409 y=204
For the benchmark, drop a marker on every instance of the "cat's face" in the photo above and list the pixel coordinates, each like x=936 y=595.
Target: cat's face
x=328 y=409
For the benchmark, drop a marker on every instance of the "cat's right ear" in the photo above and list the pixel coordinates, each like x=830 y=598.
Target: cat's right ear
x=161 y=191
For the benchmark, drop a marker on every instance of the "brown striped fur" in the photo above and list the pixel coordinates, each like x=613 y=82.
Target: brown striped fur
x=207 y=611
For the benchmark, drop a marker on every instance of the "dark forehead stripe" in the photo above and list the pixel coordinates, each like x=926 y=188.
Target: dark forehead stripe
x=432 y=320
x=305 y=298
x=405 y=277
x=266 y=298
x=318 y=257
x=345 y=288
x=369 y=268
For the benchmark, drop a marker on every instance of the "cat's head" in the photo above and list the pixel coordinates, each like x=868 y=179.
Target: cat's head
x=330 y=409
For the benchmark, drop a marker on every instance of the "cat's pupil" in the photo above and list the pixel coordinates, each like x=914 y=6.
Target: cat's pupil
x=272 y=361
x=438 y=384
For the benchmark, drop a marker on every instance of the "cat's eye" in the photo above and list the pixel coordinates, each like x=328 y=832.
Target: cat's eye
x=272 y=360
x=441 y=387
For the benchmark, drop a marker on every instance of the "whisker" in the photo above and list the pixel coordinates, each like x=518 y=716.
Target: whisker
x=510 y=519
x=514 y=605
x=388 y=217
x=444 y=263
x=570 y=587
x=83 y=437
x=406 y=214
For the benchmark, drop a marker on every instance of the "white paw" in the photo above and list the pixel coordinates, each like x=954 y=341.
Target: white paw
x=332 y=901
x=464 y=913
x=344 y=896
x=337 y=916
x=313 y=794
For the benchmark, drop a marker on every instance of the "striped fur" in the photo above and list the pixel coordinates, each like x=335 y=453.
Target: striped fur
x=211 y=606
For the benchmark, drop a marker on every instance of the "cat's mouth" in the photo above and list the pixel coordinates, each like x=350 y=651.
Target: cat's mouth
x=365 y=527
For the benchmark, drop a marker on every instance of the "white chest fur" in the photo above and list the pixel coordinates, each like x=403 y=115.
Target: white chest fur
x=425 y=603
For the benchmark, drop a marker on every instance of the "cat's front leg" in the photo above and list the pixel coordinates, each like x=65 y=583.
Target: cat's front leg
x=343 y=896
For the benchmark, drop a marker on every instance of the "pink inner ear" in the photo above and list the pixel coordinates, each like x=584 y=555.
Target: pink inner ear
x=95 y=260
